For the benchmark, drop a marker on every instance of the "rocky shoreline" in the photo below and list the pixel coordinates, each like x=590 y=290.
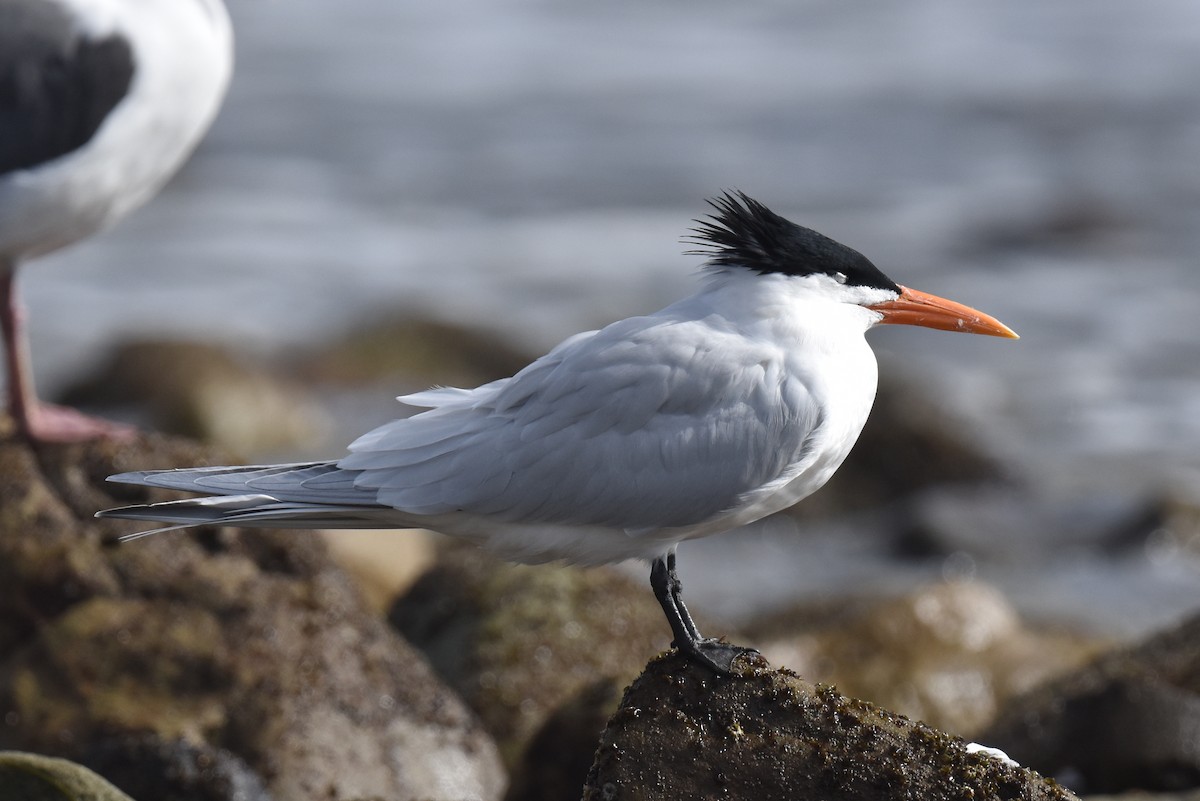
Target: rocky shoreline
x=222 y=664
x=267 y=665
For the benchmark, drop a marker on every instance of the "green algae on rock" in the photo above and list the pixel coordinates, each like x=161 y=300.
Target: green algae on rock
x=32 y=777
x=251 y=644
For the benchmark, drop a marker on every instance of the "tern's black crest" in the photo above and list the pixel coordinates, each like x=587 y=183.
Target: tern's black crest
x=745 y=233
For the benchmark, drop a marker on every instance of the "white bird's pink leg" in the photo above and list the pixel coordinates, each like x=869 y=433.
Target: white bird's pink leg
x=37 y=421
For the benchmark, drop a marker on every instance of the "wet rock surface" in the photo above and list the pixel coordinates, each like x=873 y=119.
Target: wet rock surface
x=949 y=654
x=1128 y=720
x=517 y=641
x=682 y=732
x=31 y=777
x=247 y=653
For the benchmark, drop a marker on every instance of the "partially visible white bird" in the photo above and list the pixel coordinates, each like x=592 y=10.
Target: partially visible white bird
x=100 y=103
x=620 y=443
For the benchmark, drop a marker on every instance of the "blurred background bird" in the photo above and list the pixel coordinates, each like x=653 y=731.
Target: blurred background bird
x=101 y=101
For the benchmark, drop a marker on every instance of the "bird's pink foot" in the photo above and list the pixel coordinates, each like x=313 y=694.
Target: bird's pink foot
x=61 y=424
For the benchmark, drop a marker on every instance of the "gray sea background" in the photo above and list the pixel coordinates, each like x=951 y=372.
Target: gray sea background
x=529 y=167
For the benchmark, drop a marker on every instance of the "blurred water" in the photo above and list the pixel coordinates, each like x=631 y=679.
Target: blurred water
x=530 y=166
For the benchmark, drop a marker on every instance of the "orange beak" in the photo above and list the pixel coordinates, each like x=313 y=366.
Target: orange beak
x=914 y=307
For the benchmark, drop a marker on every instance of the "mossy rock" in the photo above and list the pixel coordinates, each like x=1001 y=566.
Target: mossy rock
x=683 y=732
x=204 y=391
x=518 y=641
x=252 y=645
x=31 y=777
x=950 y=654
x=419 y=349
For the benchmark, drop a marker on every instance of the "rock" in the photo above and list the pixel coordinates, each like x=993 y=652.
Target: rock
x=30 y=777
x=990 y=523
x=428 y=351
x=682 y=732
x=1072 y=221
x=517 y=641
x=205 y=392
x=384 y=563
x=211 y=643
x=148 y=767
x=909 y=443
x=1127 y=720
x=1137 y=795
x=949 y=654
x=556 y=762
x=1166 y=526
x=1010 y=523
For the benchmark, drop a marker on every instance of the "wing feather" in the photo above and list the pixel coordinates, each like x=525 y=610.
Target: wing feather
x=227 y=480
x=637 y=426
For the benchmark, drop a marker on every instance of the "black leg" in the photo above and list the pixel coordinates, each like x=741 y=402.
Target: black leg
x=714 y=654
x=666 y=587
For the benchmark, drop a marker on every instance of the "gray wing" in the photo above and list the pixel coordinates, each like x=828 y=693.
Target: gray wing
x=57 y=85
x=649 y=423
x=280 y=495
x=303 y=482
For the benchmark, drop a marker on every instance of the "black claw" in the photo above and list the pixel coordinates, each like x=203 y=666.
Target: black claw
x=714 y=654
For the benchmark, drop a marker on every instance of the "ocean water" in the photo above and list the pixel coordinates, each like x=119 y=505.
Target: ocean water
x=531 y=166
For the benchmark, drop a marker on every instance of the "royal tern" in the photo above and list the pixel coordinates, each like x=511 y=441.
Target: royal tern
x=621 y=443
x=100 y=102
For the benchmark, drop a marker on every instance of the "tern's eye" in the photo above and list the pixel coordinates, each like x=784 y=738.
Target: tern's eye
x=840 y=278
